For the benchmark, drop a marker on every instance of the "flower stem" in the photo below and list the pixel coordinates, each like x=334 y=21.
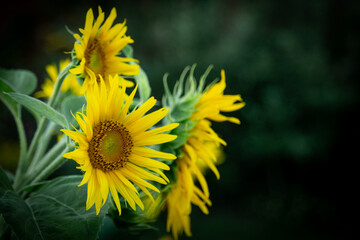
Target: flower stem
x=54 y=153
x=57 y=162
x=23 y=145
x=43 y=143
x=51 y=103
x=41 y=126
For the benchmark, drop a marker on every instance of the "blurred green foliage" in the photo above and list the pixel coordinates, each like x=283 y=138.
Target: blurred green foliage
x=289 y=170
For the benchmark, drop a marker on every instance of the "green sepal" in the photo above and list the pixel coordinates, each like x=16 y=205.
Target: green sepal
x=128 y=51
x=182 y=100
x=182 y=105
x=75 y=63
x=129 y=221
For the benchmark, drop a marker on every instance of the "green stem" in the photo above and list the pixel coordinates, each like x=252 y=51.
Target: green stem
x=55 y=152
x=51 y=167
x=51 y=103
x=41 y=126
x=22 y=137
x=23 y=145
x=43 y=144
x=61 y=77
x=35 y=140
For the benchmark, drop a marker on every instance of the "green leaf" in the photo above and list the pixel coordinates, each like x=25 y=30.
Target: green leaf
x=144 y=86
x=56 y=211
x=8 y=101
x=16 y=212
x=72 y=104
x=40 y=108
x=4 y=181
x=60 y=208
x=33 y=186
x=22 y=81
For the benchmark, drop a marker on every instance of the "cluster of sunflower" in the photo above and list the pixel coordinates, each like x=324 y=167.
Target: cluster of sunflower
x=145 y=169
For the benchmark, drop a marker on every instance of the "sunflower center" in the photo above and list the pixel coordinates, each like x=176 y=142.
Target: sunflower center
x=110 y=146
x=95 y=58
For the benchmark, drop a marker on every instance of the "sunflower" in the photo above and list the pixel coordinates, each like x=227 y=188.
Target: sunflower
x=200 y=151
x=70 y=82
x=179 y=200
x=209 y=107
x=111 y=146
x=98 y=48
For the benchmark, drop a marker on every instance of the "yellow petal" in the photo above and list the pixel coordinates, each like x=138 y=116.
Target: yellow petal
x=157 y=139
x=148 y=121
x=103 y=184
x=147 y=162
x=138 y=113
x=148 y=152
x=114 y=193
x=87 y=176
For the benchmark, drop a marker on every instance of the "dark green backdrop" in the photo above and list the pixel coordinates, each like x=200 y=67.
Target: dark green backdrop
x=289 y=171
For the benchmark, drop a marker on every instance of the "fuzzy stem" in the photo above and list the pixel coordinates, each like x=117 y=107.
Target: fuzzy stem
x=41 y=126
x=51 y=103
x=44 y=141
x=51 y=167
x=23 y=146
x=54 y=153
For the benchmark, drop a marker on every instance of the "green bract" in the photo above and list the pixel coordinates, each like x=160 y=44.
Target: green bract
x=182 y=104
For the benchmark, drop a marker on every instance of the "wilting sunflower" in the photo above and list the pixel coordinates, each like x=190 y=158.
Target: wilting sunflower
x=112 y=146
x=200 y=151
x=209 y=107
x=179 y=201
x=98 y=48
x=70 y=82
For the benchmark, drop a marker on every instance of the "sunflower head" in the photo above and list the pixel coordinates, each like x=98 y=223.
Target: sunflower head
x=198 y=145
x=70 y=83
x=96 y=50
x=112 y=146
x=192 y=105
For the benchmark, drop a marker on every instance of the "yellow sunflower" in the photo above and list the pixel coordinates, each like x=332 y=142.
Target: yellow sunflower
x=209 y=107
x=180 y=198
x=70 y=82
x=200 y=152
x=112 y=146
x=98 y=48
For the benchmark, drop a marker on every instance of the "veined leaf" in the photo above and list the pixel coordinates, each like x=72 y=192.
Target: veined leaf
x=56 y=211
x=60 y=207
x=16 y=212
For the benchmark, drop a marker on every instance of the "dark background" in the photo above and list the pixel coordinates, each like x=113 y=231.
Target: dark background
x=289 y=171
